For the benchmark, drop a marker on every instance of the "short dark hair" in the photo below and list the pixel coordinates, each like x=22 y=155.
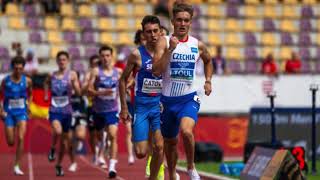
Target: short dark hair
x=105 y=48
x=60 y=53
x=182 y=7
x=93 y=57
x=150 y=19
x=163 y=28
x=137 y=37
x=18 y=60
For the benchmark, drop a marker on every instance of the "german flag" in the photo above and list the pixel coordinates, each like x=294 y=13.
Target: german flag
x=39 y=107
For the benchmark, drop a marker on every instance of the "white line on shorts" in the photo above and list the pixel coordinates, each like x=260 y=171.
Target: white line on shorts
x=30 y=165
x=96 y=167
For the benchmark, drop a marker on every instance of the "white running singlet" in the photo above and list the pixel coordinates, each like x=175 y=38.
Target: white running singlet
x=178 y=79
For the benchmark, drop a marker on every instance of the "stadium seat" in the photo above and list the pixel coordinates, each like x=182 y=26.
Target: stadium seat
x=13 y=9
x=251 y=25
x=290 y=12
x=268 y=49
x=307 y=11
x=54 y=50
x=215 y=1
x=102 y=10
x=105 y=24
x=310 y=2
x=232 y=11
x=4 y=52
x=88 y=38
x=30 y=10
x=233 y=39
x=251 y=66
x=214 y=39
x=69 y=24
x=254 y=2
x=285 y=53
x=122 y=10
x=250 y=39
x=215 y=11
x=5 y=66
x=250 y=53
x=51 y=23
x=66 y=9
x=106 y=38
x=234 y=53
x=318 y=39
x=70 y=37
x=90 y=51
x=103 y=1
x=125 y=38
x=85 y=24
x=78 y=66
x=214 y=25
x=290 y=2
x=286 y=39
x=269 y=39
x=141 y=10
x=288 y=26
x=270 y=11
x=306 y=67
x=35 y=37
x=16 y=23
x=304 y=53
x=304 y=39
x=54 y=37
x=33 y=23
x=234 y=66
x=232 y=25
x=251 y=11
x=269 y=25
x=270 y=2
x=140 y=1
x=123 y=24
x=74 y=53
x=85 y=10
x=305 y=25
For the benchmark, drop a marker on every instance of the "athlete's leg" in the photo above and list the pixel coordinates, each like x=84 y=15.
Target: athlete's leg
x=129 y=143
x=71 y=150
x=112 y=135
x=170 y=149
x=9 y=130
x=21 y=127
x=187 y=124
x=157 y=154
x=56 y=134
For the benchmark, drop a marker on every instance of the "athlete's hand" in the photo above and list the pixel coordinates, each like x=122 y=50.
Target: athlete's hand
x=3 y=114
x=174 y=41
x=125 y=116
x=207 y=88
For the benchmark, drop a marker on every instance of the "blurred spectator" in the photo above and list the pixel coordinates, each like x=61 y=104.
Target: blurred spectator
x=293 y=65
x=51 y=6
x=32 y=65
x=269 y=66
x=219 y=62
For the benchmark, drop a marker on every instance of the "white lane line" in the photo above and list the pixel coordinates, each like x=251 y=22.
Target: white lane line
x=30 y=165
x=84 y=159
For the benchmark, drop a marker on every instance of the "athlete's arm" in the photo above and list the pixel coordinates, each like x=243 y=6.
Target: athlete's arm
x=85 y=83
x=29 y=89
x=92 y=79
x=208 y=68
x=161 y=57
x=2 y=112
x=75 y=83
x=46 y=85
x=131 y=64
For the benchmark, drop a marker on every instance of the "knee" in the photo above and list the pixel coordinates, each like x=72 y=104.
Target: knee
x=140 y=153
x=10 y=142
x=158 y=148
x=187 y=133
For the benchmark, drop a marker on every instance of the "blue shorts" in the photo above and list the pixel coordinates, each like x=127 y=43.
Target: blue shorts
x=147 y=115
x=103 y=119
x=174 y=109
x=11 y=120
x=64 y=119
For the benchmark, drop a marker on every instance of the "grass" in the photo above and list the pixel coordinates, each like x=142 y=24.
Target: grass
x=213 y=167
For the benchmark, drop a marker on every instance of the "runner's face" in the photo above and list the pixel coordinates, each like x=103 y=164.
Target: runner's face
x=62 y=62
x=106 y=57
x=181 y=23
x=151 y=33
x=18 y=69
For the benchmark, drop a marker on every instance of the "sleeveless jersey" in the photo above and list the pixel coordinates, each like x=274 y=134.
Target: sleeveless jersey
x=61 y=92
x=146 y=83
x=106 y=103
x=178 y=79
x=15 y=95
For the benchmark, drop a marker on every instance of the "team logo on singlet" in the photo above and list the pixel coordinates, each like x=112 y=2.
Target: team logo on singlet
x=194 y=50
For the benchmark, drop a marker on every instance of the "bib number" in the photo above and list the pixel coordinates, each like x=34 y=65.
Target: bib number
x=60 y=101
x=16 y=103
x=182 y=71
x=151 y=85
x=112 y=96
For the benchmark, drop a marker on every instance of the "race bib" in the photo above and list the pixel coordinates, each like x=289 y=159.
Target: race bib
x=16 y=103
x=112 y=95
x=151 y=85
x=182 y=71
x=60 y=101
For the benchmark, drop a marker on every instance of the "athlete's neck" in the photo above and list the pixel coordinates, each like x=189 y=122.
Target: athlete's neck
x=150 y=48
x=62 y=70
x=182 y=38
x=107 y=67
x=16 y=77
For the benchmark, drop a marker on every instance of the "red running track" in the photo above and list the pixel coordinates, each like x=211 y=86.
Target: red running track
x=37 y=167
